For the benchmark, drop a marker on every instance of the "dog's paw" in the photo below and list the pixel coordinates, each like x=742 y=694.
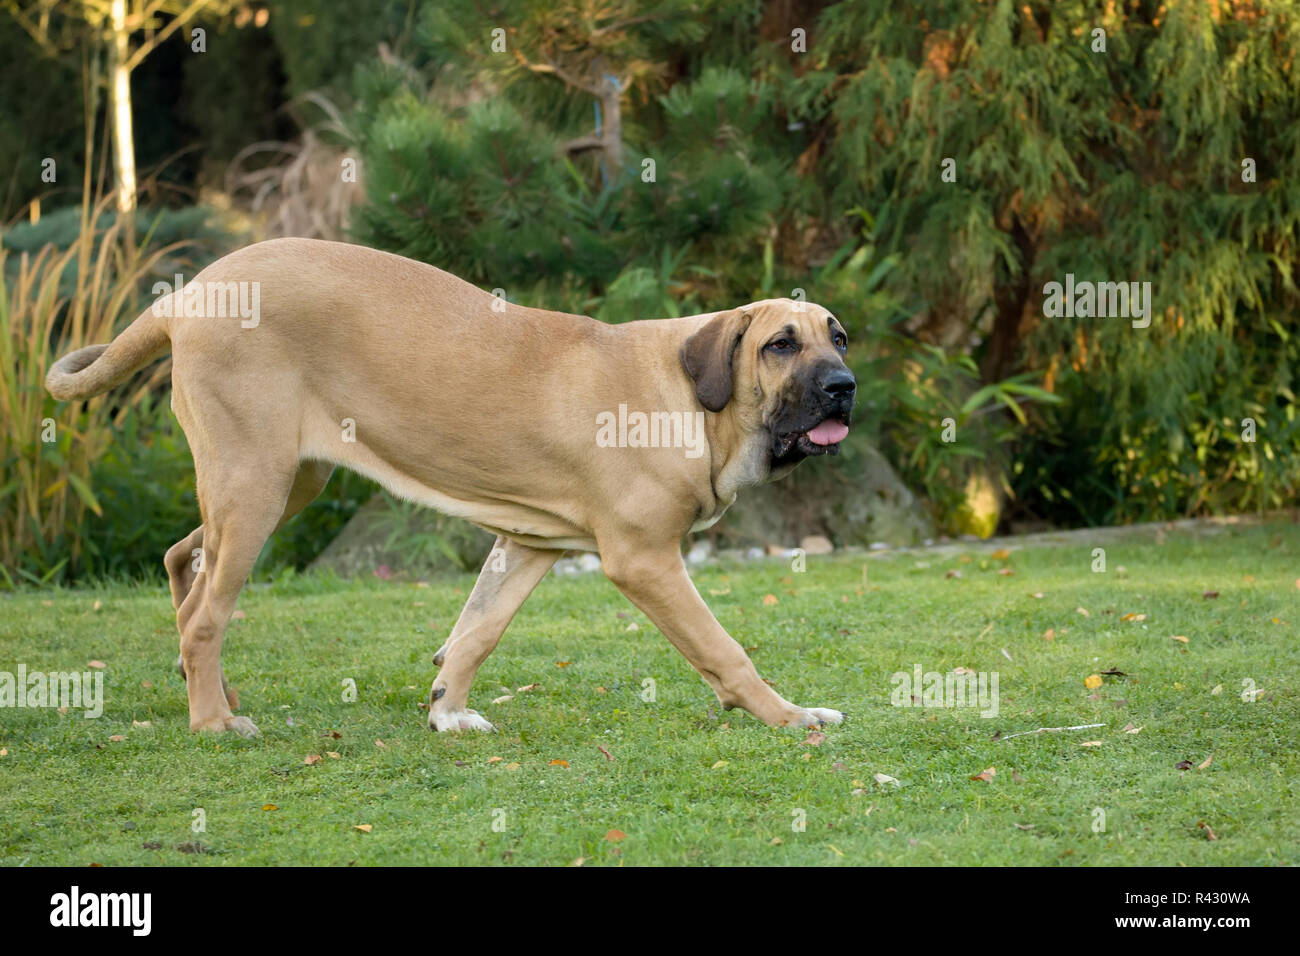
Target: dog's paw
x=234 y=725
x=817 y=716
x=457 y=720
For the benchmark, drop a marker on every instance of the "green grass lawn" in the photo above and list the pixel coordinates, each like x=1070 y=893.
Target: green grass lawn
x=688 y=784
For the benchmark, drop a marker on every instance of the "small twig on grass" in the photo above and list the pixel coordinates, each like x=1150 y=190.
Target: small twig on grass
x=1044 y=730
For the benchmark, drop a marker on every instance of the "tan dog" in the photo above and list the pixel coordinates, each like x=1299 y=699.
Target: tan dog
x=552 y=431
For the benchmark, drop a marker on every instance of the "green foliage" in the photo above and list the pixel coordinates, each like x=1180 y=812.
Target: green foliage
x=488 y=188
x=320 y=44
x=38 y=120
x=1118 y=165
x=145 y=482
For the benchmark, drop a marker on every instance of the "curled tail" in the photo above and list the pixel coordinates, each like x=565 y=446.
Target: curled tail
x=97 y=368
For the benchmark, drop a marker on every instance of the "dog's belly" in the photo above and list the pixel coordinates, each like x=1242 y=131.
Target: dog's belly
x=531 y=525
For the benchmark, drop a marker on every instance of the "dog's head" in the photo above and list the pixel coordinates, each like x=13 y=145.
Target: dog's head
x=780 y=363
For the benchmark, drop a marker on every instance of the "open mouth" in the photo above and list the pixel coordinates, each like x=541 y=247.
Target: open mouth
x=822 y=439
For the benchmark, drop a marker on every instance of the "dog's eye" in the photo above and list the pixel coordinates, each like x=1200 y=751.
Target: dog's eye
x=782 y=345
x=841 y=341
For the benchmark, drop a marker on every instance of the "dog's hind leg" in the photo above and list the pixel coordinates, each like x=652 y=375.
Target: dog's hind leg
x=184 y=559
x=241 y=504
x=509 y=575
x=184 y=563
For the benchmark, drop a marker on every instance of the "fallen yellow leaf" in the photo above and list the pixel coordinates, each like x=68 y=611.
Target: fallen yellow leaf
x=1092 y=682
x=364 y=827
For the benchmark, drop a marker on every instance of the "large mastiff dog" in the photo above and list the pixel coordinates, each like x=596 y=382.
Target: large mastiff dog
x=552 y=431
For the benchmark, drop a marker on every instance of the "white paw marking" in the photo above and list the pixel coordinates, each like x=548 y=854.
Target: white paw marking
x=457 y=720
x=242 y=726
x=822 y=715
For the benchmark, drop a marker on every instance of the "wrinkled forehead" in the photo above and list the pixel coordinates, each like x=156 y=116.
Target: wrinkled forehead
x=803 y=320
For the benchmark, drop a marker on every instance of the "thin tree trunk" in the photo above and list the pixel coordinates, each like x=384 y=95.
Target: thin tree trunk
x=120 y=103
x=611 y=106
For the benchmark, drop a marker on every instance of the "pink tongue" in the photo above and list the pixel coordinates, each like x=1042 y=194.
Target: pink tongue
x=829 y=432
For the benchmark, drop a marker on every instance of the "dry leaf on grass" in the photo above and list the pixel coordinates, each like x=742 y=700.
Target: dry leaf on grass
x=1178 y=637
x=883 y=778
x=558 y=763
x=770 y=599
x=1209 y=834
x=985 y=775
x=269 y=806
x=363 y=827
x=815 y=738
x=615 y=836
x=311 y=759
x=1206 y=763
x=1092 y=682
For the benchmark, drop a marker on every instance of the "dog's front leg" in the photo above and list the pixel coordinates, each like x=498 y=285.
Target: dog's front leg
x=509 y=575
x=655 y=580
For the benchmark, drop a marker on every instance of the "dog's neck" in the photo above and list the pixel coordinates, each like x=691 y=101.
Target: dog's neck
x=748 y=462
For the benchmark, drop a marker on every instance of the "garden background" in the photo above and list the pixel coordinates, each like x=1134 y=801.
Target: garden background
x=920 y=169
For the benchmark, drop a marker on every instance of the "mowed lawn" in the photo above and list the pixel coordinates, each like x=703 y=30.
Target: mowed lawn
x=585 y=767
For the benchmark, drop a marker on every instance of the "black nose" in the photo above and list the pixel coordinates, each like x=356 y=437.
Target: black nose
x=839 y=383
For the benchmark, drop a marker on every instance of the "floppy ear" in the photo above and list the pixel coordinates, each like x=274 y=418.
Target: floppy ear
x=707 y=357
